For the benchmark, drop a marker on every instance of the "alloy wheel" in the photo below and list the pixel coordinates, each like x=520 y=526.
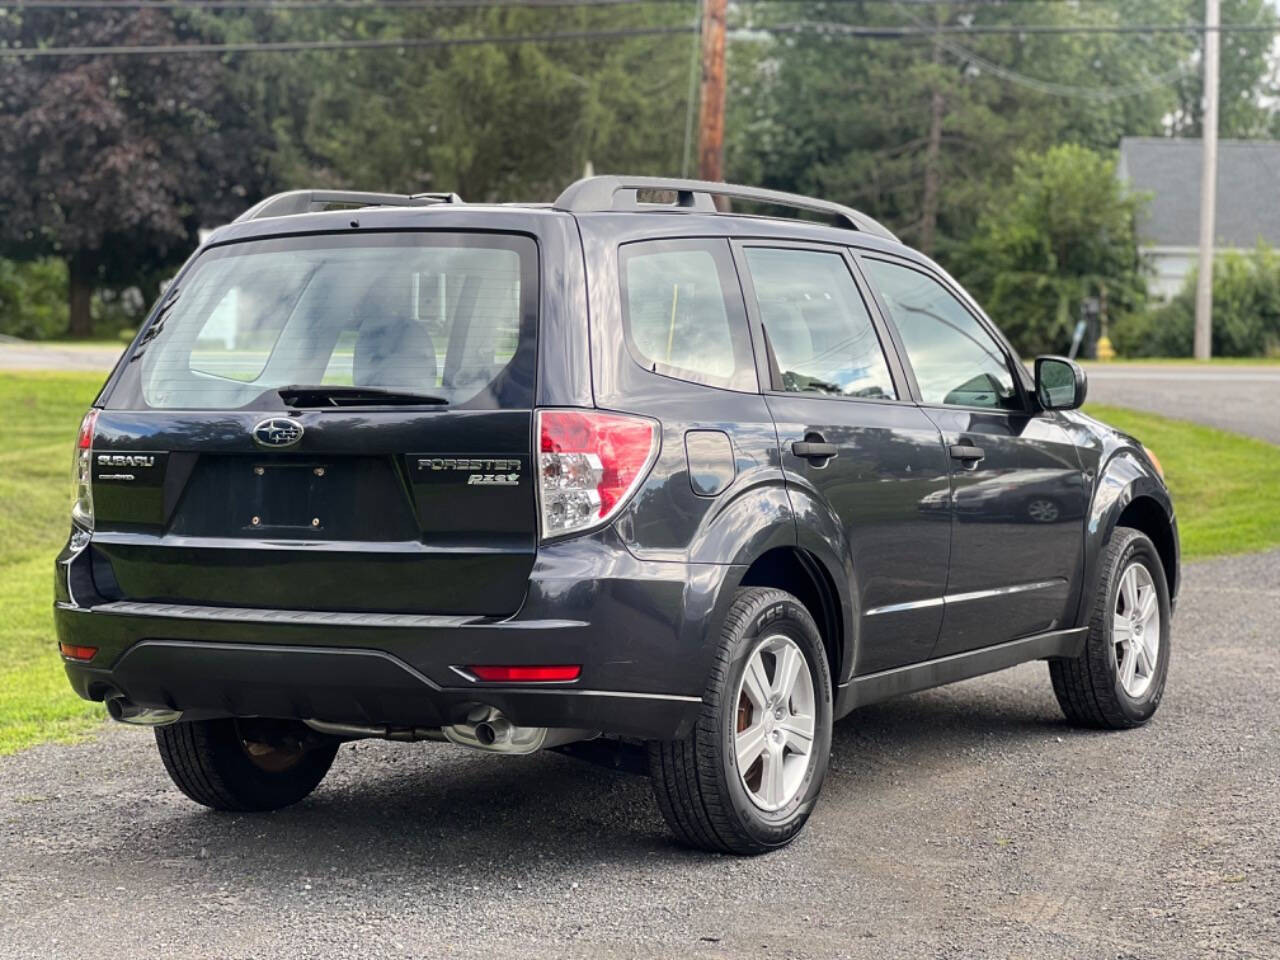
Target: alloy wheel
x=1135 y=630
x=775 y=722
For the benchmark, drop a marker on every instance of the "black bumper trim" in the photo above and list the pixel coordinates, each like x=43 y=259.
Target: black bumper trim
x=205 y=679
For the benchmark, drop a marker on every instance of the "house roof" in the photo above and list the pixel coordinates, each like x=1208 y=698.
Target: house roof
x=1169 y=169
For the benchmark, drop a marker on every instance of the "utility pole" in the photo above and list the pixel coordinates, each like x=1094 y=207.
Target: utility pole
x=711 y=108
x=1208 y=183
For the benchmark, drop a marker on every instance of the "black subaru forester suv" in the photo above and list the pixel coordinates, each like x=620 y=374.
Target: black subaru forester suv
x=622 y=469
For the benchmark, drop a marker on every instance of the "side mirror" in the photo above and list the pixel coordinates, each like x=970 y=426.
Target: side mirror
x=1060 y=383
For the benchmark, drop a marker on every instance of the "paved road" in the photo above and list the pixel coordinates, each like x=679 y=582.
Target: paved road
x=1243 y=399
x=70 y=356
x=964 y=822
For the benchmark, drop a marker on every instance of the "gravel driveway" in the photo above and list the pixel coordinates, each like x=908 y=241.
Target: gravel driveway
x=1244 y=399
x=964 y=822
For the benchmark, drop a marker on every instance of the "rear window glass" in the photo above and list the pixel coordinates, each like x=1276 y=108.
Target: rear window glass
x=447 y=315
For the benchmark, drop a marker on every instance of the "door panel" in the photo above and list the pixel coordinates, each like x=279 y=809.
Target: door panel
x=1018 y=528
x=1017 y=493
x=873 y=462
x=888 y=485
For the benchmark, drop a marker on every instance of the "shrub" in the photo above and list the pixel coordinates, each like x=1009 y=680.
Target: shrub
x=33 y=298
x=1246 y=312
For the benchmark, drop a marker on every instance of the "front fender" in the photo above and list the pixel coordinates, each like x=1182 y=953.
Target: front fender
x=1127 y=475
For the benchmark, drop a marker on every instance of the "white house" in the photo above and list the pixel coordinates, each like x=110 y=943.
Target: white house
x=1169 y=170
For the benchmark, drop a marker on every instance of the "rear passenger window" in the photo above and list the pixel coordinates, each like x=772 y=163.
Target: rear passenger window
x=682 y=311
x=818 y=324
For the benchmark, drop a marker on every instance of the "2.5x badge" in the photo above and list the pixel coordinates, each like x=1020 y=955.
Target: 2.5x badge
x=478 y=471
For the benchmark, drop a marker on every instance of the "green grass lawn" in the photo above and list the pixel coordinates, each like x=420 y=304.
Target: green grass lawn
x=39 y=414
x=1226 y=488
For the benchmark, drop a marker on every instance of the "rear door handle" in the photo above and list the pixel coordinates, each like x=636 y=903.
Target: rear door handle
x=814 y=449
x=966 y=451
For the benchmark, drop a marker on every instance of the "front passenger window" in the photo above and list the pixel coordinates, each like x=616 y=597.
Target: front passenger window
x=956 y=362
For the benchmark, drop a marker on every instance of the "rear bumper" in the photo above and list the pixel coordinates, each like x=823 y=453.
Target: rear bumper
x=639 y=629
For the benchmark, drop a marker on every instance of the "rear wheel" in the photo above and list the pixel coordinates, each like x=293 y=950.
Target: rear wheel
x=1118 y=681
x=244 y=765
x=747 y=779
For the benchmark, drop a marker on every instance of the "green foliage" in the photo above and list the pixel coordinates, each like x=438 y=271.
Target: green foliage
x=874 y=123
x=1060 y=231
x=113 y=162
x=510 y=122
x=1246 y=312
x=33 y=298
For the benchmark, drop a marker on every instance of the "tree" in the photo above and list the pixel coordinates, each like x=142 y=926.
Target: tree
x=918 y=131
x=112 y=163
x=491 y=122
x=1062 y=230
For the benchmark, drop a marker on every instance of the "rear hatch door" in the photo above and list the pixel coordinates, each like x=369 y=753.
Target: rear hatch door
x=336 y=422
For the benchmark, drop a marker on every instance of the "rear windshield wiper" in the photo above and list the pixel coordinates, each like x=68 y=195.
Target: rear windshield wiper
x=157 y=325
x=330 y=395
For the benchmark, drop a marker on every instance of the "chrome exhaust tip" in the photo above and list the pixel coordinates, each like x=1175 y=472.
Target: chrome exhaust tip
x=486 y=728
x=126 y=711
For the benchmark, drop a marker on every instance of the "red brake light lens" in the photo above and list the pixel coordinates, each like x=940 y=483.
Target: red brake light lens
x=75 y=652
x=86 y=430
x=552 y=674
x=589 y=464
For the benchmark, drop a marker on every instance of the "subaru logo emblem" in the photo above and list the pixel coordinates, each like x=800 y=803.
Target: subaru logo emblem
x=277 y=432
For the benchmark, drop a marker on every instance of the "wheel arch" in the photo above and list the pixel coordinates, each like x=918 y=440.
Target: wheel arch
x=1145 y=514
x=803 y=575
x=1129 y=493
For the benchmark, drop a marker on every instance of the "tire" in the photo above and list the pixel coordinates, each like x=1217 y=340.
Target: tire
x=708 y=804
x=1093 y=689
x=244 y=766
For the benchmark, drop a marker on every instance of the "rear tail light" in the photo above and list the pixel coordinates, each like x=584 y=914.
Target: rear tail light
x=526 y=674
x=76 y=652
x=82 y=473
x=589 y=465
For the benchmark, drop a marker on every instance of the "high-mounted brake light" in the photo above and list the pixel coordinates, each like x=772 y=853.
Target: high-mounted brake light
x=589 y=465
x=74 y=651
x=526 y=674
x=82 y=473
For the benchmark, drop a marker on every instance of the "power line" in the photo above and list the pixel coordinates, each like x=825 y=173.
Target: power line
x=819 y=27
x=375 y=5
x=378 y=44
x=362 y=6
x=894 y=32
x=1096 y=94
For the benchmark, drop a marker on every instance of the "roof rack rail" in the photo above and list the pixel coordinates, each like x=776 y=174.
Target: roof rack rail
x=598 y=194
x=311 y=201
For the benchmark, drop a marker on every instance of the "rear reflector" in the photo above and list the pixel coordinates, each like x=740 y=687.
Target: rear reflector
x=553 y=674
x=73 y=652
x=589 y=465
